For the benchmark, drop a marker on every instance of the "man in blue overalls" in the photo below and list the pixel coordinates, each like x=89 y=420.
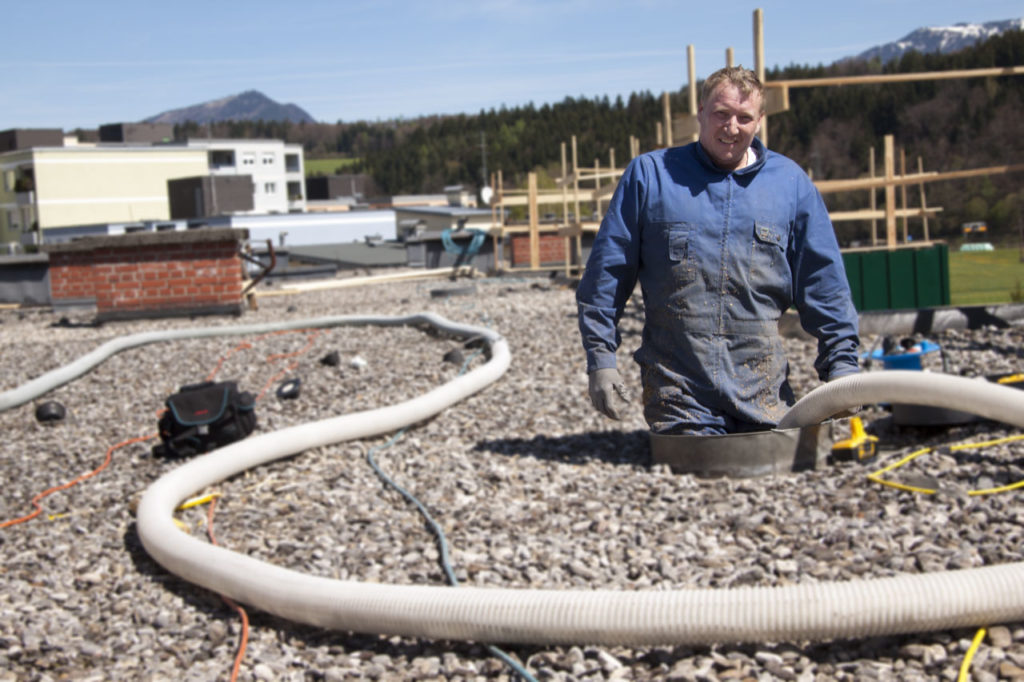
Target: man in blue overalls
x=723 y=236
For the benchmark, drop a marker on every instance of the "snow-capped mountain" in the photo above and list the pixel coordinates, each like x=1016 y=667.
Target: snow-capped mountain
x=942 y=39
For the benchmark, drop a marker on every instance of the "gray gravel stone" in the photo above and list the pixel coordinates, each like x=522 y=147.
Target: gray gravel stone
x=532 y=486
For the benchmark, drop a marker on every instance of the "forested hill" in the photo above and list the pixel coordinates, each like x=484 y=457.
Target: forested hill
x=951 y=125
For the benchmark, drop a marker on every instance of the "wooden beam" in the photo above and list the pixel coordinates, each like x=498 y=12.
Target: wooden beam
x=852 y=184
x=776 y=100
x=575 y=180
x=874 y=214
x=587 y=174
x=565 y=187
x=691 y=89
x=318 y=285
x=898 y=77
x=873 y=197
x=548 y=196
x=759 y=64
x=903 y=194
x=666 y=117
x=531 y=183
x=890 y=193
x=497 y=220
x=924 y=203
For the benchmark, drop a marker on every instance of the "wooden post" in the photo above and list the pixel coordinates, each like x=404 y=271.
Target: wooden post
x=691 y=89
x=597 y=186
x=531 y=189
x=657 y=135
x=873 y=198
x=924 y=203
x=565 y=208
x=500 y=187
x=759 y=63
x=666 y=113
x=565 y=188
x=890 y=193
x=729 y=58
x=495 y=228
x=575 y=180
x=903 y=193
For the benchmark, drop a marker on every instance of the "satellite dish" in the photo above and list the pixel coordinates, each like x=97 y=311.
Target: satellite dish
x=485 y=194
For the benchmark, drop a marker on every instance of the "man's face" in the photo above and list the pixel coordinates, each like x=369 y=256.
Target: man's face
x=728 y=121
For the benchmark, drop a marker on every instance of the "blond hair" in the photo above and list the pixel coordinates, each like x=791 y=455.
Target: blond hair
x=745 y=80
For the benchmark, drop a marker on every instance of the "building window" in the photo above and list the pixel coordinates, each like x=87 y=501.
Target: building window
x=248 y=159
x=270 y=188
x=268 y=160
x=9 y=181
x=291 y=163
x=294 y=191
x=222 y=158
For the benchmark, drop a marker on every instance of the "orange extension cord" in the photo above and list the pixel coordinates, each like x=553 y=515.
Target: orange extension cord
x=65 y=486
x=311 y=336
x=244 y=640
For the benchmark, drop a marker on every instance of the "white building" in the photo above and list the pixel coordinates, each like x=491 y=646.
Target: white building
x=46 y=183
x=278 y=176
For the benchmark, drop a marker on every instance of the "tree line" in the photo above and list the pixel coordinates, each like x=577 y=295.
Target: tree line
x=949 y=124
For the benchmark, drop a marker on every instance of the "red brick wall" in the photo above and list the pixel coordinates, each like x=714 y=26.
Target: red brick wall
x=150 y=277
x=552 y=249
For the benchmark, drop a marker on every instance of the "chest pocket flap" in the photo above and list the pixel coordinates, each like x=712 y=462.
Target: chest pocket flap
x=768 y=234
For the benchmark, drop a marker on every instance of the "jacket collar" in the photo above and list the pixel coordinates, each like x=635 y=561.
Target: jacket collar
x=756 y=145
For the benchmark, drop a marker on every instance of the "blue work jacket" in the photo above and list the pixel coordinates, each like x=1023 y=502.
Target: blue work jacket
x=719 y=256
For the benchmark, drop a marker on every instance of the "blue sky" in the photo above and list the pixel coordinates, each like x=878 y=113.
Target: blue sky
x=71 y=64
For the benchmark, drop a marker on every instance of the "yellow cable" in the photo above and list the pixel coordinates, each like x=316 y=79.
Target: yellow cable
x=196 y=501
x=876 y=476
x=965 y=667
x=1000 y=489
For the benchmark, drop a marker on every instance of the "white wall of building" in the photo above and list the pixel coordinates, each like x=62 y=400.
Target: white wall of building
x=276 y=169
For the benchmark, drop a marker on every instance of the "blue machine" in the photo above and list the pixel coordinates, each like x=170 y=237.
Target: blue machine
x=907 y=357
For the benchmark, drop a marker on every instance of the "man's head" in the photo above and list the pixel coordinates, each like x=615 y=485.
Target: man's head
x=730 y=113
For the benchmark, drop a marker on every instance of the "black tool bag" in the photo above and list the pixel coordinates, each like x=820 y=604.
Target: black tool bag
x=206 y=416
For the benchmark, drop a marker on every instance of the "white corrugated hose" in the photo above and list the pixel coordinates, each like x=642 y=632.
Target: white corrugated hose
x=813 y=611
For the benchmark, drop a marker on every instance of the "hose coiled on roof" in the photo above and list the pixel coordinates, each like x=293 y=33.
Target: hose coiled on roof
x=810 y=611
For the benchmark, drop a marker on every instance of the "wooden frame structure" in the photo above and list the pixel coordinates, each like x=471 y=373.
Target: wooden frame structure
x=674 y=130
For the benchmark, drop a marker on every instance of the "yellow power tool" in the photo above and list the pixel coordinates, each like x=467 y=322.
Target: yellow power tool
x=859 y=447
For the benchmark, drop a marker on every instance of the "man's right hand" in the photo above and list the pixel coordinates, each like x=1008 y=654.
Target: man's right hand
x=608 y=393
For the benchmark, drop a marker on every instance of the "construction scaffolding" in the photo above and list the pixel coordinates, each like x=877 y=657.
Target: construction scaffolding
x=584 y=186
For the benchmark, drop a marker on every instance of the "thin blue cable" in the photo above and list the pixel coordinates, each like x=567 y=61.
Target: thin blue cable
x=435 y=528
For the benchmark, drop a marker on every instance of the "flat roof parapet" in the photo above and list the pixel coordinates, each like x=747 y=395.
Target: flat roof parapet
x=168 y=237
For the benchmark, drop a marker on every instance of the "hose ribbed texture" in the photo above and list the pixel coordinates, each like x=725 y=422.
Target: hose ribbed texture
x=62 y=375
x=909 y=603
x=931 y=389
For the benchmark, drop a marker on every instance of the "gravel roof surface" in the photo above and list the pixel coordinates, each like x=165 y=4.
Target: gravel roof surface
x=532 y=487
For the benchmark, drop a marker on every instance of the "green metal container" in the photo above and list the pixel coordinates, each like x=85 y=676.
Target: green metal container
x=902 y=278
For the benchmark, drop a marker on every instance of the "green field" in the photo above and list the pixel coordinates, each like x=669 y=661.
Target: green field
x=330 y=166
x=982 y=277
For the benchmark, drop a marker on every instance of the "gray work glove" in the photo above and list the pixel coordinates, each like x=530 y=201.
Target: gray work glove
x=608 y=393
